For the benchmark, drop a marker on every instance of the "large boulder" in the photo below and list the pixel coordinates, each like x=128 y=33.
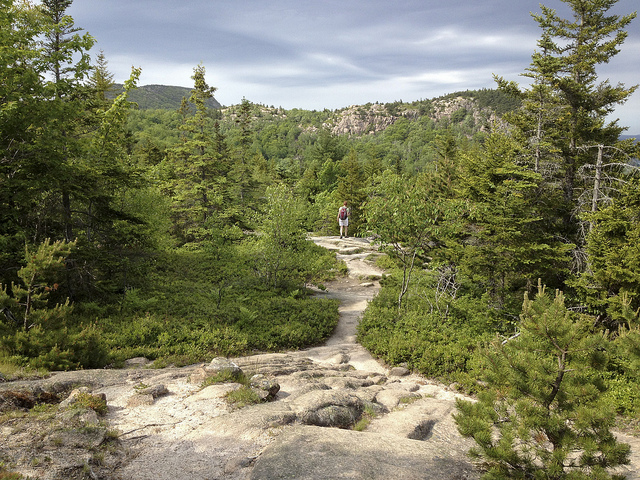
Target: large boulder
x=328 y=408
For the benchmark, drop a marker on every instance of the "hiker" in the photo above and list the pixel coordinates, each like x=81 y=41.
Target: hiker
x=343 y=219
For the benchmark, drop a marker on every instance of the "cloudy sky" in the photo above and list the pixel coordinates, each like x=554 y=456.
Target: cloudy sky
x=317 y=54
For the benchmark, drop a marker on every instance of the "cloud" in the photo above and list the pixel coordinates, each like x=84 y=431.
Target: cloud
x=331 y=53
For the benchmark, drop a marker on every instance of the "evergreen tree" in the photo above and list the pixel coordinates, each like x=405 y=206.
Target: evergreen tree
x=197 y=167
x=241 y=171
x=610 y=285
x=101 y=79
x=20 y=109
x=351 y=187
x=66 y=57
x=542 y=414
x=567 y=104
x=507 y=247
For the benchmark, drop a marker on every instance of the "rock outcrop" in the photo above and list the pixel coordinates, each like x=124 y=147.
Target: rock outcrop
x=306 y=416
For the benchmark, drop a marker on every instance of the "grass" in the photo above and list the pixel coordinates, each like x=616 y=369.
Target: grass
x=10 y=371
x=242 y=397
x=368 y=414
x=409 y=399
x=94 y=402
x=225 y=376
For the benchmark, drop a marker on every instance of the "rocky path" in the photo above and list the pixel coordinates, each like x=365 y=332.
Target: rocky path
x=353 y=292
x=306 y=432
x=169 y=428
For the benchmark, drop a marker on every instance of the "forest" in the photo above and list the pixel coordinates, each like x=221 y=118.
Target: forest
x=510 y=218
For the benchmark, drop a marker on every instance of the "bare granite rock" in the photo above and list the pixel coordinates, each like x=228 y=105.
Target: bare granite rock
x=314 y=453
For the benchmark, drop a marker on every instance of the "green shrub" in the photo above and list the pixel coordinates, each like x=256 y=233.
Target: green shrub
x=436 y=346
x=242 y=397
x=623 y=392
x=226 y=376
x=94 y=402
x=59 y=349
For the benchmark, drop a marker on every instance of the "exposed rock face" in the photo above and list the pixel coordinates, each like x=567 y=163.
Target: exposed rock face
x=454 y=109
x=355 y=455
x=373 y=118
x=320 y=396
x=358 y=120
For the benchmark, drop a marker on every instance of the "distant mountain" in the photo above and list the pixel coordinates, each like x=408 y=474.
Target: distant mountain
x=161 y=96
x=636 y=137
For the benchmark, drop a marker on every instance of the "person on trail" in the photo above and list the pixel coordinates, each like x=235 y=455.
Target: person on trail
x=343 y=219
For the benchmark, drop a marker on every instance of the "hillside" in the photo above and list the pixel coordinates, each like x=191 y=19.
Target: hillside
x=161 y=97
x=467 y=112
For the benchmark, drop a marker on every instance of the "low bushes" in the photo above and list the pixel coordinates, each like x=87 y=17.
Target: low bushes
x=199 y=303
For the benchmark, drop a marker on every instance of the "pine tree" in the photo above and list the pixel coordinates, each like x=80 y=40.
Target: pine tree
x=566 y=108
x=197 y=166
x=542 y=414
x=351 y=187
x=101 y=79
x=67 y=58
x=508 y=246
x=243 y=183
x=610 y=285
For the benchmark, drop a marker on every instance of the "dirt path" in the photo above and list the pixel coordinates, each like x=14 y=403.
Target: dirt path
x=354 y=292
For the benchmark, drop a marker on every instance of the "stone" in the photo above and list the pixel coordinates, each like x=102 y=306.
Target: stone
x=399 y=372
x=137 y=362
x=328 y=408
x=71 y=399
x=314 y=453
x=155 y=391
x=391 y=398
x=221 y=364
x=266 y=388
x=139 y=400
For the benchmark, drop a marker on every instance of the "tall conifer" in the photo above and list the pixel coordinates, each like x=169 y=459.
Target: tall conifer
x=565 y=110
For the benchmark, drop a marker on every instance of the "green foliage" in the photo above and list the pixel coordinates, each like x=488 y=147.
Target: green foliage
x=565 y=111
x=226 y=376
x=273 y=323
x=242 y=397
x=38 y=277
x=611 y=284
x=409 y=217
x=507 y=247
x=368 y=414
x=284 y=258
x=543 y=412
x=60 y=349
x=187 y=322
x=469 y=220
x=437 y=337
x=94 y=402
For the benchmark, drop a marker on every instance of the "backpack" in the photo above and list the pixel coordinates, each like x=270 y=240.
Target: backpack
x=343 y=213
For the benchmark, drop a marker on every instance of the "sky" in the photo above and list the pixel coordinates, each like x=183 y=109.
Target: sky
x=317 y=54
